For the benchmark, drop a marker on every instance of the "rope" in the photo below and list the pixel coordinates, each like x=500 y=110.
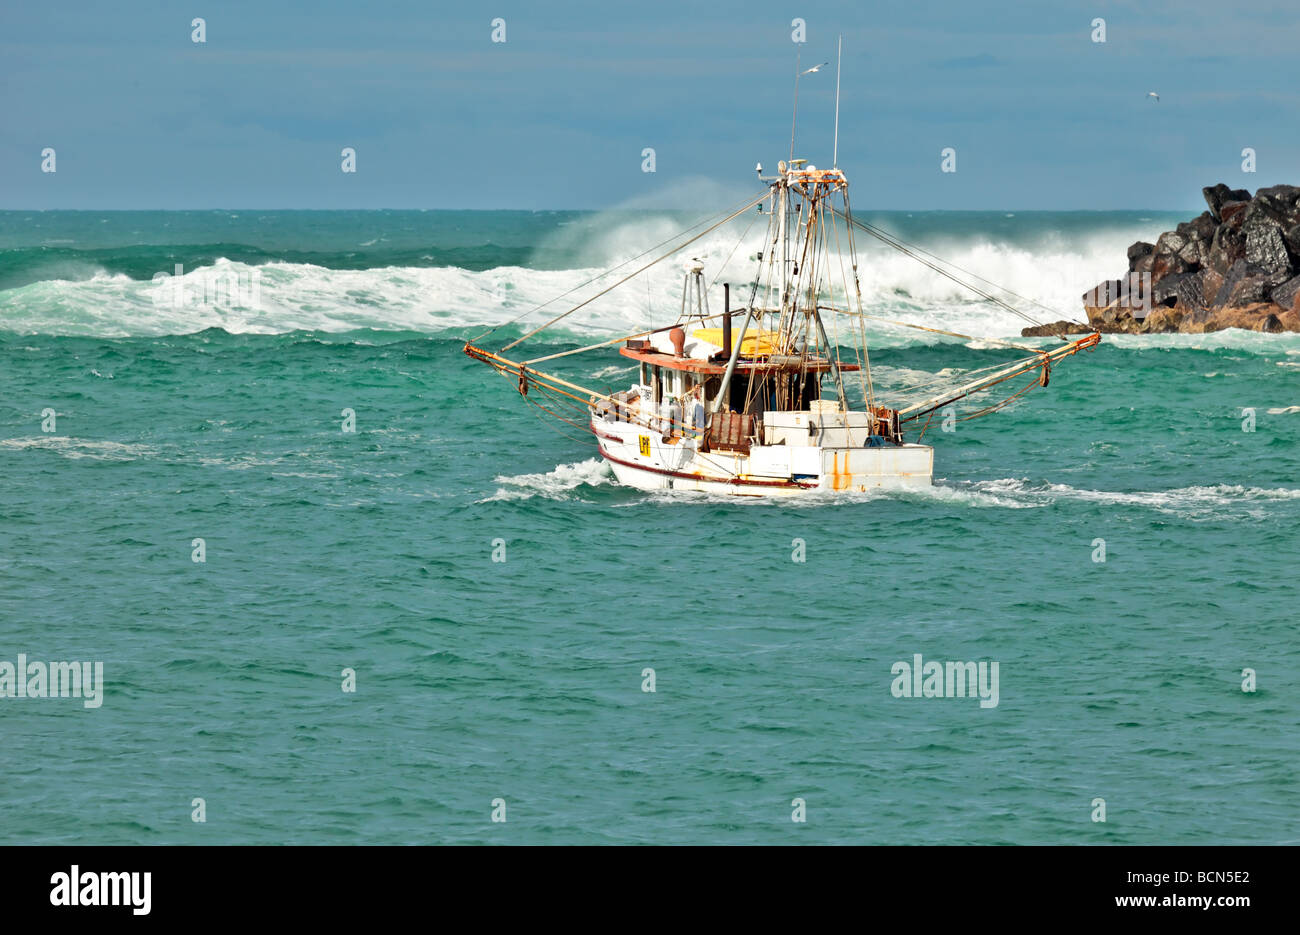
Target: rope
x=915 y=253
x=676 y=249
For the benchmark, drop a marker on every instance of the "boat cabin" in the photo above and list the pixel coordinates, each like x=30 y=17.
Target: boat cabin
x=758 y=385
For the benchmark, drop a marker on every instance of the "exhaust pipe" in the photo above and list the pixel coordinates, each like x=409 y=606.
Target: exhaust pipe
x=726 y=318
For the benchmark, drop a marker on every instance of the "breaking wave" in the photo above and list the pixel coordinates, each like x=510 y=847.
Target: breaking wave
x=1045 y=266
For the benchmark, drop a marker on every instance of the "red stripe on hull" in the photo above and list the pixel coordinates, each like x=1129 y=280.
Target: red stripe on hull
x=704 y=479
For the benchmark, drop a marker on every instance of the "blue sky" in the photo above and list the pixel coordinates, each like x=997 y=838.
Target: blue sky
x=557 y=116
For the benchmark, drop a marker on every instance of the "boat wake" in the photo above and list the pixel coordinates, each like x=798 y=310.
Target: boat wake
x=559 y=484
x=1219 y=501
x=1196 y=502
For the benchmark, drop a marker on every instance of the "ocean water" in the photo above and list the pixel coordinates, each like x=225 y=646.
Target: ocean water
x=522 y=680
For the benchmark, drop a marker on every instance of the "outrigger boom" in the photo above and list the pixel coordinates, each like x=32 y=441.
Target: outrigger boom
x=1044 y=361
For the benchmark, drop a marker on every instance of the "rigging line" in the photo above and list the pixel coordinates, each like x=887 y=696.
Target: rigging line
x=951 y=334
x=544 y=422
x=910 y=392
x=835 y=321
x=953 y=382
x=942 y=272
x=723 y=267
x=1002 y=404
x=676 y=249
x=857 y=288
x=599 y=275
x=968 y=393
x=539 y=378
x=578 y=409
x=626 y=337
x=858 y=356
x=1046 y=308
x=554 y=415
x=924 y=427
x=903 y=248
x=987 y=410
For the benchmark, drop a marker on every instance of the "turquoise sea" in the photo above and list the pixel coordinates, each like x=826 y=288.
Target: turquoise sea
x=476 y=680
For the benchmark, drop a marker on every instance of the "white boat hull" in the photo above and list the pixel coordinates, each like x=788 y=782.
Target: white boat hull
x=643 y=459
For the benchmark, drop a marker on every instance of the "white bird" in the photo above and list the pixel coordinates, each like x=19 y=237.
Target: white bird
x=809 y=71
x=1154 y=94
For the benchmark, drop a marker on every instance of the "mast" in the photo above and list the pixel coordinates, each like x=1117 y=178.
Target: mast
x=777 y=258
x=814 y=210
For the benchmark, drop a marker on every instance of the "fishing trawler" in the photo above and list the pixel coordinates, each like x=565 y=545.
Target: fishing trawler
x=763 y=399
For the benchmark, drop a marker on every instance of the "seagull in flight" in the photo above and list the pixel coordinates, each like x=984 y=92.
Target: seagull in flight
x=809 y=71
x=1155 y=95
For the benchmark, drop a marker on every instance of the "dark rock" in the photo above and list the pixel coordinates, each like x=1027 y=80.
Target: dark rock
x=1228 y=247
x=1107 y=308
x=1231 y=278
x=1167 y=258
x=1234 y=266
x=1264 y=245
x=1217 y=195
x=1280 y=201
x=1056 y=329
x=1246 y=284
x=1190 y=293
x=1200 y=234
x=1182 y=289
x=1211 y=283
x=1277 y=208
x=1232 y=209
x=1137 y=252
x=1184 y=249
x=1288 y=293
x=1292 y=240
x=1113 y=298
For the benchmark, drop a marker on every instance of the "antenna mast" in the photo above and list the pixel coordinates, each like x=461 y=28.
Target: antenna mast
x=839 y=57
x=795 y=116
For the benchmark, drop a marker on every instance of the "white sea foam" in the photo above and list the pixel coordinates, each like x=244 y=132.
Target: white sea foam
x=302 y=296
x=1201 y=502
x=293 y=296
x=556 y=484
x=1195 y=501
x=940 y=492
x=77 y=448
